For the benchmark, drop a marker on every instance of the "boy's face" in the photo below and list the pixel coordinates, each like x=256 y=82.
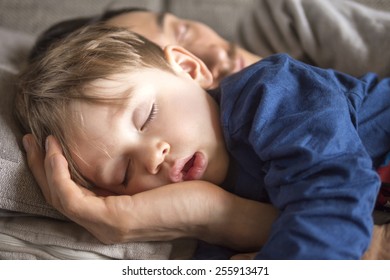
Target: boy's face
x=166 y=131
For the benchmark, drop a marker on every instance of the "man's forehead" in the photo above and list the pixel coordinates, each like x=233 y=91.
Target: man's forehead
x=144 y=19
x=160 y=20
x=148 y=24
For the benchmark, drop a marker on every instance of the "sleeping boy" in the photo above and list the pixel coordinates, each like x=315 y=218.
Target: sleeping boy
x=131 y=117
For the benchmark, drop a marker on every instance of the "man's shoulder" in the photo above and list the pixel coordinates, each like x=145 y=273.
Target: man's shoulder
x=265 y=71
x=275 y=59
x=266 y=66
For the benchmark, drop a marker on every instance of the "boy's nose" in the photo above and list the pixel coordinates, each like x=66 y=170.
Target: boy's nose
x=156 y=157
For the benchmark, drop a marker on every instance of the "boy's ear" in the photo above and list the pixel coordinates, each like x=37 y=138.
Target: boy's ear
x=182 y=60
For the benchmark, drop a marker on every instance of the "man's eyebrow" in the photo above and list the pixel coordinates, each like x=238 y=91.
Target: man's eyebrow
x=160 y=20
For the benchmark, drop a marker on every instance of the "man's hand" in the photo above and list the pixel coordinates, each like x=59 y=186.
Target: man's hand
x=380 y=244
x=189 y=209
x=111 y=219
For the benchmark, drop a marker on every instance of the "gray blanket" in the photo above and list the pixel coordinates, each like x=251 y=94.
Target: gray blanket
x=352 y=36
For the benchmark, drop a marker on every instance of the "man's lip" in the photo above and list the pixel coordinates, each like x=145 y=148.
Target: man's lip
x=195 y=168
x=239 y=63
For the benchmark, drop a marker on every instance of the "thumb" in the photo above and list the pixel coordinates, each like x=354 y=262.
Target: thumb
x=56 y=165
x=57 y=173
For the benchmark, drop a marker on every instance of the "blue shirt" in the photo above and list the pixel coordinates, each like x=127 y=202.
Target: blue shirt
x=307 y=140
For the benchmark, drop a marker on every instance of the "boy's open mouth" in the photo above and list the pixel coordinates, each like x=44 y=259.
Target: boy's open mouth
x=188 y=165
x=189 y=168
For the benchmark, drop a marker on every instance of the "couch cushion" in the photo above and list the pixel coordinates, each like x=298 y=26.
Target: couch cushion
x=35 y=16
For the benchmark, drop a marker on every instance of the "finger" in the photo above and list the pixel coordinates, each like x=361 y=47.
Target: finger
x=76 y=202
x=35 y=161
x=62 y=187
x=57 y=171
x=67 y=196
x=52 y=149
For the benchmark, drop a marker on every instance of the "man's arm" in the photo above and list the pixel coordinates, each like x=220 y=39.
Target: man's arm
x=379 y=247
x=380 y=244
x=189 y=209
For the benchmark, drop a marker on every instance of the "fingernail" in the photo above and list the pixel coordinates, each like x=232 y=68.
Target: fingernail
x=26 y=143
x=47 y=144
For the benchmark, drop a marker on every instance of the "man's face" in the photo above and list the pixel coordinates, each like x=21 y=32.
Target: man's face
x=221 y=57
x=165 y=132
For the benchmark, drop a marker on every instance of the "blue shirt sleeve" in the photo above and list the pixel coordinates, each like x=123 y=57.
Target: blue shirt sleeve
x=300 y=122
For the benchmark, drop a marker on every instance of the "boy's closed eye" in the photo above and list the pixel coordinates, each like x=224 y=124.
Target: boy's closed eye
x=143 y=114
x=151 y=116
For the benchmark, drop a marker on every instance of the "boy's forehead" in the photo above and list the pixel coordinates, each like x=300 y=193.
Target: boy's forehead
x=114 y=86
x=132 y=86
x=94 y=119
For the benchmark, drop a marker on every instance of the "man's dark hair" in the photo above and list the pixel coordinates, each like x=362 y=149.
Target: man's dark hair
x=62 y=29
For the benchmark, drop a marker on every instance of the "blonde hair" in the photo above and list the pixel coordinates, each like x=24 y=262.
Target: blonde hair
x=49 y=84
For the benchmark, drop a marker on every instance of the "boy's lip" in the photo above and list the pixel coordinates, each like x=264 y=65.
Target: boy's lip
x=188 y=168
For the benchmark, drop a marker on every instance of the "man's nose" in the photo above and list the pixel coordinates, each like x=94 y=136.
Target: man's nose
x=216 y=58
x=156 y=156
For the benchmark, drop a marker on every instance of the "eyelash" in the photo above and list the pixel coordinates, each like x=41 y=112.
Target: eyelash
x=151 y=117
